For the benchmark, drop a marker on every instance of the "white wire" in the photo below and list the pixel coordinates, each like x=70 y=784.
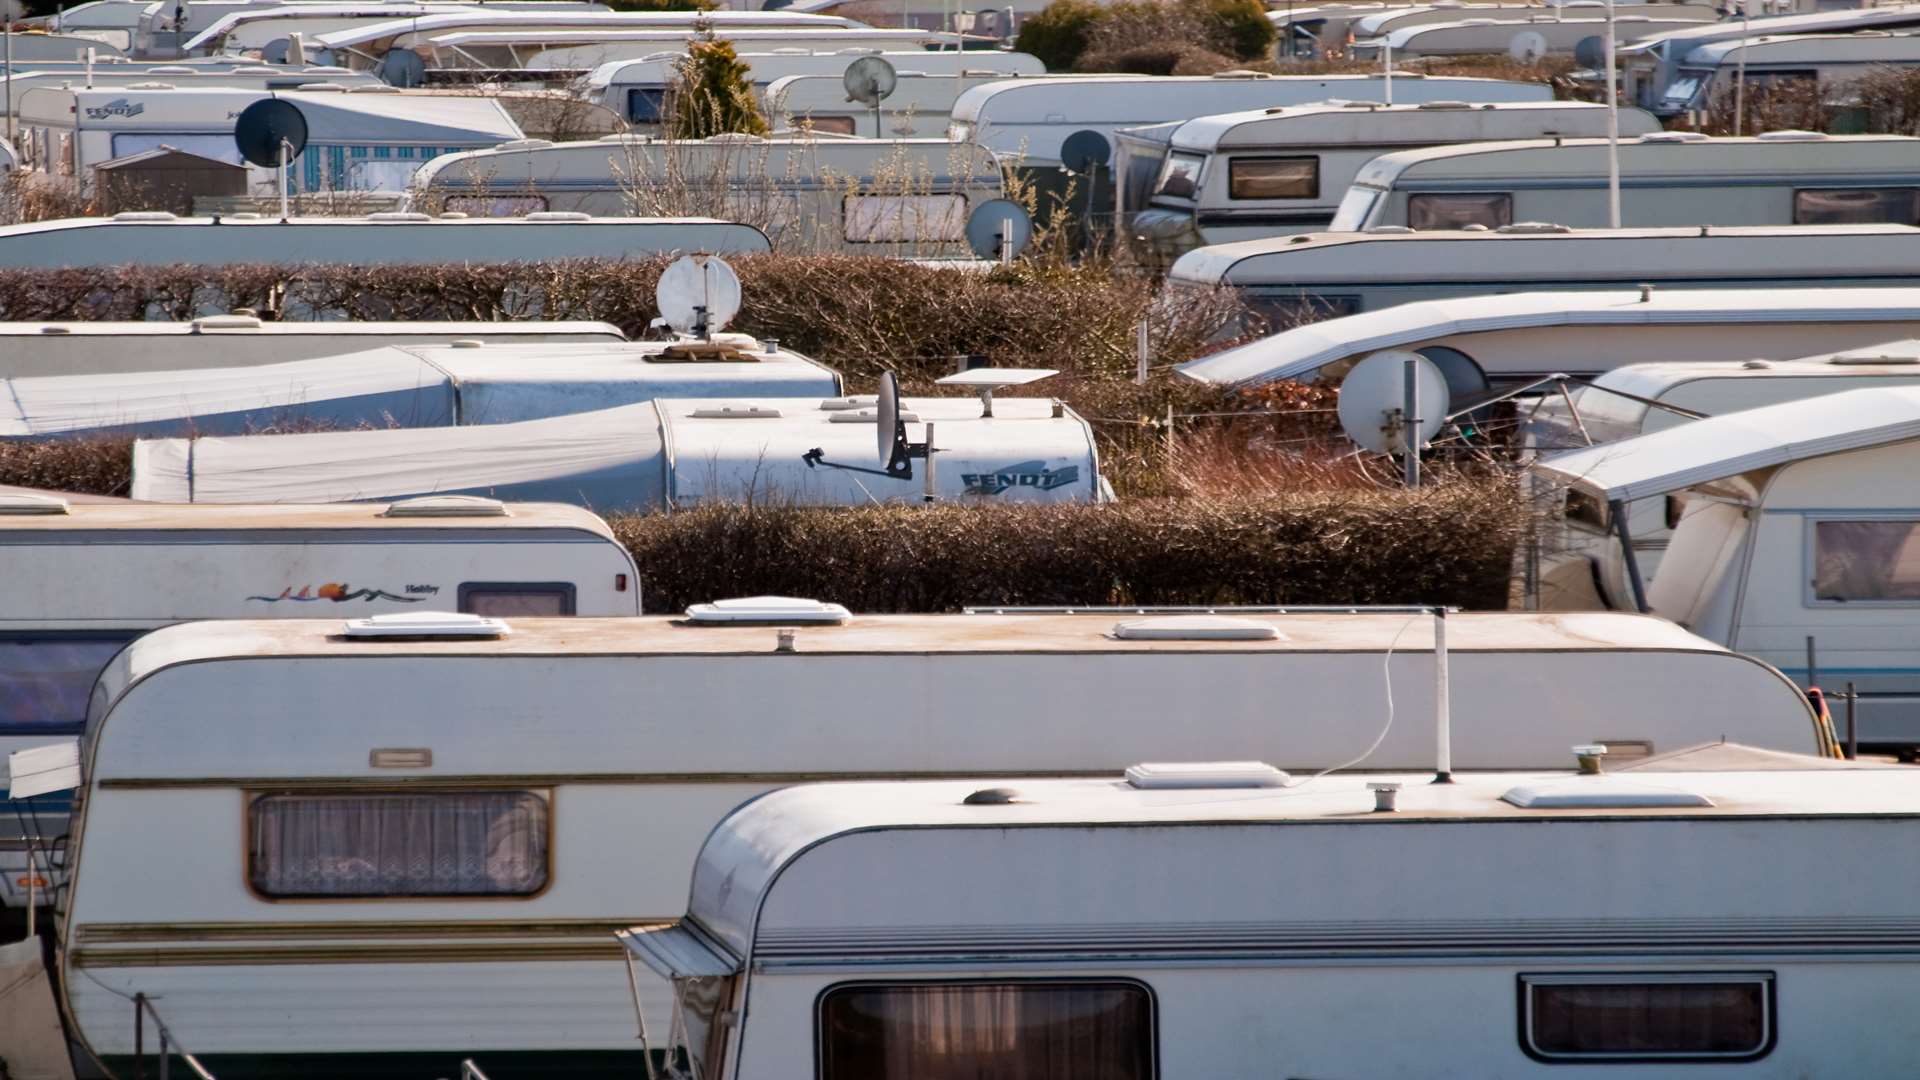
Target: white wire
x=1386 y=677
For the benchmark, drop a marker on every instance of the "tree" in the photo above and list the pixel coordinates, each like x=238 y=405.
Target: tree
x=1059 y=33
x=712 y=95
x=1239 y=28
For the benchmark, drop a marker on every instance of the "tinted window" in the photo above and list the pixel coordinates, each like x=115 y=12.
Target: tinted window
x=1866 y=560
x=45 y=682
x=1458 y=211
x=1273 y=178
x=644 y=104
x=1181 y=179
x=1867 y=206
x=503 y=600
x=965 y=1031
x=1615 y=1017
x=455 y=843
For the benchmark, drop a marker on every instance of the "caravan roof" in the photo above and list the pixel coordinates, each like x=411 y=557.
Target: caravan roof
x=766 y=65
x=1781 y=321
x=1678 y=43
x=1363 y=123
x=253 y=27
x=365 y=41
x=1721 y=446
x=335 y=115
x=1859 y=47
x=1475 y=36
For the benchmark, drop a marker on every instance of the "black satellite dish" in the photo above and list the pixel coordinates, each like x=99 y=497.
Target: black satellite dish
x=264 y=125
x=402 y=68
x=1084 y=151
x=1590 y=51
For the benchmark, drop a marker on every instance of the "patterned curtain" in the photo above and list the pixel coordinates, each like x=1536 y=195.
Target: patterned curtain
x=1008 y=1031
x=474 y=843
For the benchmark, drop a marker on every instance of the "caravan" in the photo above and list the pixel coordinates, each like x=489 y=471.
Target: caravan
x=1649 y=67
x=86 y=578
x=554 y=55
x=1533 y=37
x=13 y=89
x=1707 y=75
x=1669 y=178
x=524 y=747
x=919 y=107
x=254 y=31
x=1273 y=172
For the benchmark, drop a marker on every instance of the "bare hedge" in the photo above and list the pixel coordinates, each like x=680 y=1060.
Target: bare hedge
x=1450 y=543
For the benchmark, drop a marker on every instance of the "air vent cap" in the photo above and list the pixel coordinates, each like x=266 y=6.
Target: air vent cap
x=1196 y=628
x=768 y=609
x=448 y=506
x=1189 y=775
x=428 y=624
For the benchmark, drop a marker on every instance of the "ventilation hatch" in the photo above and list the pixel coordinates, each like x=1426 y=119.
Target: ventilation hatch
x=226 y=322
x=144 y=215
x=1187 y=775
x=1603 y=792
x=1196 y=628
x=869 y=416
x=399 y=215
x=1864 y=360
x=428 y=624
x=768 y=609
x=736 y=412
x=559 y=215
x=34 y=505
x=433 y=506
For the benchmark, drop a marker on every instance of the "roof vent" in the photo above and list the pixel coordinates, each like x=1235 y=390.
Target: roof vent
x=56 y=328
x=524 y=144
x=245 y=215
x=1241 y=73
x=868 y=416
x=736 y=412
x=144 y=215
x=559 y=215
x=22 y=504
x=1762 y=365
x=1478 y=22
x=399 y=215
x=226 y=322
x=835 y=404
x=1196 y=628
x=467 y=343
x=321 y=88
x=1601 y=792
x=171 y=69
x=454 y=215
x=1887 y=360
x=1183 y=775
x=768 y=609
x=1524 y=227
x=1445 y=105
x=381 y=88
x=991 y=796
x=447 y=506
x=1675 y=137
x=1389 y=230
x=1792 y=135
x=428 y=624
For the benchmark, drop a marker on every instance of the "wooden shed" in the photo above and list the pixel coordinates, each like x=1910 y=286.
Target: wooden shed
x=165 y=178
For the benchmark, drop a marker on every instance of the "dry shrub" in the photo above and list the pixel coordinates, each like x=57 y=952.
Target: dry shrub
x=1888 y=100
x=28 y=196
x=1447 y=543
x=94 y=466
x=1162 y=59
x=1793 y=104
x=1154 y=37
x=1552 y=70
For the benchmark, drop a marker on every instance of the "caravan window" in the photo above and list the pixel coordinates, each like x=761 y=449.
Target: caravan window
x=1037 y=1030
x=1651 y=1017
x=828 y=125
x=1866 y=561
x=47 y=679
x=1682 y=90
x=1855 y=206
x=1459 y=211
x=645 y=103
x=217 y=147
x=1273 y=178
x=384 y=845
x=884 y=219
x=1181 y=177
x=503 y=600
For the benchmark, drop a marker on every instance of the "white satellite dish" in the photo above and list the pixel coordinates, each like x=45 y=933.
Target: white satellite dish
x=869 y=80
x=985 y=380
x=1373 y=399
x=1527 y=46
x=887 y=417
x=698 y=294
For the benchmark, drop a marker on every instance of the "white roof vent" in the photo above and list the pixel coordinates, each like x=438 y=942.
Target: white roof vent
x=1187 y=775
x=427 y=624
x=454 y=215
x=377 y=89
x=399 y=215
x=1196 y=628
x=448 y=506
x=835 y=404
x=524 y=144
x=467 y=343
x=144 y=215
x=1603 y=792
x=1791 y=135
x=559 y=215
x=226 y=322
x=736 y=412
x=1389 y=230
x=321 y=88
x=768 y=609
x=1863 y=360
x=1536 y=227
x=1241 y=73
x=868 y=416
x=245 y=215
x=1445 y=105
x=1674 y=137
x=22 y=504
x=56 y=328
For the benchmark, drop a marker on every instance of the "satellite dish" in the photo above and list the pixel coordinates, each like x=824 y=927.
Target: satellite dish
x=1591 y=51
x=1373 y=398
x=1527 y=46
x=888 y=431
x=262 y=126
x=698 y=294
x=275 y=51
x=402 y=68
x=1085 y=151
x=994 y=221
x=869 y=80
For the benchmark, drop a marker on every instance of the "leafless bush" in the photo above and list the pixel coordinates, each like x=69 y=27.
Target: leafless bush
x=1798 y=104
x=94 y=466
x=27 y=196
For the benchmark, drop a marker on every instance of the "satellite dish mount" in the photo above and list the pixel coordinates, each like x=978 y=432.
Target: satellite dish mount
x=897 y=453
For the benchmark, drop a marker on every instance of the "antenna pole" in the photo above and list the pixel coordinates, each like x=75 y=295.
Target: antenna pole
x=285 y=157
x=1613 y=131
x=8 y=34
x=1410 y=424
x=1740 y=75
x=1442 y=701
x=1386 y=51
x=1006 y=241
x=931 y=491
x=1143 y=350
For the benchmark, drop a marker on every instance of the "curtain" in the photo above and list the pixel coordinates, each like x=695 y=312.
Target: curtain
x=1649 y=1018
x=972 y=1031
x=1866 y=560
x=474 y=843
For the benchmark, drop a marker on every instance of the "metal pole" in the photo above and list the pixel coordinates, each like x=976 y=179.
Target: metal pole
x=1740 y=71
x=1410 y=424
x=1853 y=735
x=139 y=1037
x=164 y=1051
x=1618 y=510
x=284 y=159
x=1442 y=701
x=932 y=491
x=33 y=878
x=1386 y=51
x=9 y=36
x=1813 y=665
x=1142 y=346
x=1613 y=131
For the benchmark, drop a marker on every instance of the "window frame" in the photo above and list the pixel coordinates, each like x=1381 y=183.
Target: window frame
x=962 y=204
x=125 y=638
x=657 y=95
x=567 y=591
x=1506 y=195
x=1166 y=171
x=1153 y=1004
x=1810 y=558
x=1912 y=193
x=1233 y=175
x=1769 y=1014
x=252 y=795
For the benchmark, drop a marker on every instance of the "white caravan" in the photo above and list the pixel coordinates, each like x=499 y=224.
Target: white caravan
x=39 y=46
x=1031 y=117
x=1291 y=280
x=552 y=55
x=920 y=106
x=406 y=386
x=637 y=88
x=366 y=46
x=557 y=731
x=244 y=340
x=390 y=239
x=1273 y=172
x=1795 y=528
x=1649 y=66
x=358 y=139
x=85 y=578
x=1640 y=399
x=1538 y=35
x=13 y=88
x=664 y=454
x=1508 y=925
x=1709 y=73
x=252 y=30
x=1524 y=336
x=109 y=21
x=1670 y=178
x=907 y=197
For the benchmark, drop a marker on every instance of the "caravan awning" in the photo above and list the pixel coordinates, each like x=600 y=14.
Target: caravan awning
x=1722 y=446
x=677 y=951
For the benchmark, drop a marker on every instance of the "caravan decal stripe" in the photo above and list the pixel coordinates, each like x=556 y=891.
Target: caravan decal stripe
x=338 y=783
x=383 y=953
x=167 y=933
